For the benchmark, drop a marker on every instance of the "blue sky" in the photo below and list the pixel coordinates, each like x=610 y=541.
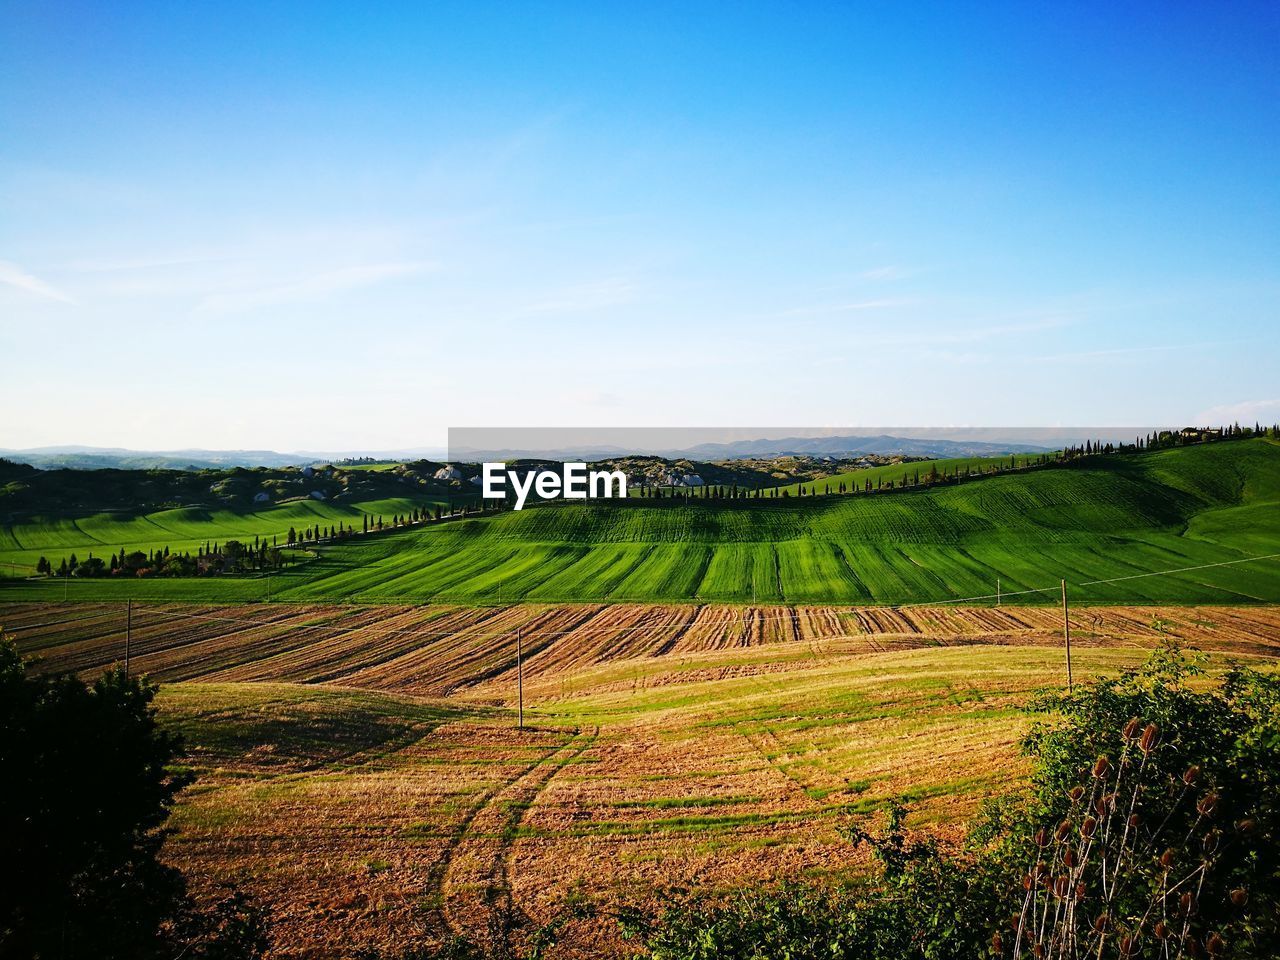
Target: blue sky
x=350 y=227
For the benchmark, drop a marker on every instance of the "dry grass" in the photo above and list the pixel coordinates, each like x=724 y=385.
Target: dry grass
x=360 y=770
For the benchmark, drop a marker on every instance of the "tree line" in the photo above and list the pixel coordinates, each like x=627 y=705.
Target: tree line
x=235 y=556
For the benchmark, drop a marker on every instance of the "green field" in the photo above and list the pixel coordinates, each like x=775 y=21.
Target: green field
x=1101 y=518
x=185 y=528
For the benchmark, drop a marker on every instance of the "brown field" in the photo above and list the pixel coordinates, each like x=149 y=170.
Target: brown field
x=360 y=770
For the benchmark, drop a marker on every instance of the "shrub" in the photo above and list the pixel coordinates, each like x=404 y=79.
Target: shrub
x=1153 y=819
x=1149 y=829
x=87 y=787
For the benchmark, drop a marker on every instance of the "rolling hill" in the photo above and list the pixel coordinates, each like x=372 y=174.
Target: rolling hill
x=1115 y=518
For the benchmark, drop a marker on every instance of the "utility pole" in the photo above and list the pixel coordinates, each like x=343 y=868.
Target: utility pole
x=128 y=635
x=1066 y=632
x=997 y=591
x=520 y=673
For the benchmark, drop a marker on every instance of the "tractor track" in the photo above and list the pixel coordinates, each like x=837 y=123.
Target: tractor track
x=476 y=895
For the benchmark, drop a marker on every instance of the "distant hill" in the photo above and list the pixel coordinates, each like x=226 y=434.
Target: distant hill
x=855 y=446
x=1104 y=523
x=1095 y=519
x=838 y=447
x=26 y=491
x=75 y=457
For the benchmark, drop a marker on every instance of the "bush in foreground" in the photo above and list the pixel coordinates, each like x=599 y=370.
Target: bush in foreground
x=87 y=786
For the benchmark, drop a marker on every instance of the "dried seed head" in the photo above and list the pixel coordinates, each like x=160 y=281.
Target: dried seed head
x=1210 y=841
x=1102 y=922
x=1247 y=825
x=1131 y=729
x=1042 y=837
x=1081 y=890
x=1208 y=803
x=1161 y=930
x=1167 y=858
x=997 y=943
x=1149 y=737
x=1191 y=775
x=1134 y=820
x=1038 y=951
x=1239 y=896
x=1192 y=946
x=1069 y=859
x=1185 y=904
x=1075 y=793
x=1215 y=945
x=1128 y=945
x=1089 y=827
x=1063 y=829
x=1100 y=767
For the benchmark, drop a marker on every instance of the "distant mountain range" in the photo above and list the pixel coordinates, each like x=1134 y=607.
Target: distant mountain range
x=991 y=444
x=843 y=447
x=98 y=458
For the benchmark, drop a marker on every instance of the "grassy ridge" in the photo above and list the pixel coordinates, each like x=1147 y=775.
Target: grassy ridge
x=856 y=479
x=1102 y=518
x=185 y=528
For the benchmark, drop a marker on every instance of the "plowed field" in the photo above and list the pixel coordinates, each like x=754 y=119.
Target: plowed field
x=361 y=771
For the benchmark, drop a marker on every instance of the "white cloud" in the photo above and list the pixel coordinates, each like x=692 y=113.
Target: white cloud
x=1120 y=352
x=316 y=286
x=884 y=303
x=1246 y=411
x=610 y=292
x=15 y=276
x=961 y=335
x=883 y=273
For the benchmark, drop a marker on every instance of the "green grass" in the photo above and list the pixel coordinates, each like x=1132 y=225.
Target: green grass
x=186 y=528
x=1102 y=518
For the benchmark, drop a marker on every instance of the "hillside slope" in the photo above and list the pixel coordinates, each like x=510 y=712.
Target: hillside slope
x=1103 y=518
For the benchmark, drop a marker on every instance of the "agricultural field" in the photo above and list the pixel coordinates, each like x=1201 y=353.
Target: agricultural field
x=1112 y=527
x=361 y=772
x=181 y=529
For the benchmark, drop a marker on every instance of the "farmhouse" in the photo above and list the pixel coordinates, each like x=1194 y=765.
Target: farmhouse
x=1201 y=433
